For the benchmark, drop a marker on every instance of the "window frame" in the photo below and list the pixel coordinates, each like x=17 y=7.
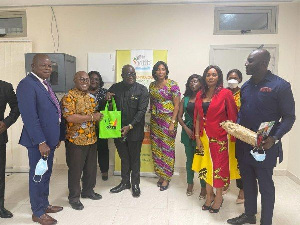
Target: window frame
x=272 y=12
x=15 y=14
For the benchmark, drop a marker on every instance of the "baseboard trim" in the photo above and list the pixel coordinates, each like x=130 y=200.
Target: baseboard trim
x=279 y=172
x=144 y=174
x=18 y=169
x=293 y=177
x=178 y=170
x=60 y=166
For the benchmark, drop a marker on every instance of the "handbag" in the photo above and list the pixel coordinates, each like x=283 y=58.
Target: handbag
x=110 y=125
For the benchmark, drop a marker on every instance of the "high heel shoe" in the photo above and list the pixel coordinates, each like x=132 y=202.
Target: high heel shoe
x=212 y=210
x=205 y=207
x=159 y=183
x=163 y=188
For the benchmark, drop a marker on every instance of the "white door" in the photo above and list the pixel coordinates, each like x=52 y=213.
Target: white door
x=12 y=67
x=229 y=57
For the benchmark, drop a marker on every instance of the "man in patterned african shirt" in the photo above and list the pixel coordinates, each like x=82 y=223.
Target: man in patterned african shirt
x=81 y=147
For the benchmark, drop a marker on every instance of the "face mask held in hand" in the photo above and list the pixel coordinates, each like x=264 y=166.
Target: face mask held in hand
x=259 y=157
x=40 y=169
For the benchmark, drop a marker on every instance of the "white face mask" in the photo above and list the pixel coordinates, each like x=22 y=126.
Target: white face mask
x=40 y=168
x=232 y=83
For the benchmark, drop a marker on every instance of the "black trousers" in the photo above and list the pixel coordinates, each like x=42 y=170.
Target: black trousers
x=250 y=175
x=2 y=173
x=129 y=152
x=103 y=154
x=239 y=182
x=82 y=163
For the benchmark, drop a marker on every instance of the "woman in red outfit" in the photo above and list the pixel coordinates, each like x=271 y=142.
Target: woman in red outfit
x=214 y=104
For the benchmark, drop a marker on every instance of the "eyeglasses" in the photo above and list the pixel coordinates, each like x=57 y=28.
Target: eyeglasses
x=130 y=74
x=82 y=80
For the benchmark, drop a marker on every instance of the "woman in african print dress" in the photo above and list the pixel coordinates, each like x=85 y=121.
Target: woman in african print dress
x=213 y=105
x=164 y=106
x=235 y=77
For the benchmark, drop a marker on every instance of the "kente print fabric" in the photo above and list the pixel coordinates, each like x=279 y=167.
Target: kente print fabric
x=216 y=162
x=237 y=99
x=78 y=102
x=163 y=143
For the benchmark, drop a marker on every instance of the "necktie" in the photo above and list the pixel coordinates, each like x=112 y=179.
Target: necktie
x=53 y=97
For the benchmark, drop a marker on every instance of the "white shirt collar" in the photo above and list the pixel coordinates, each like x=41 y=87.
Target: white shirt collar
x=40 y=79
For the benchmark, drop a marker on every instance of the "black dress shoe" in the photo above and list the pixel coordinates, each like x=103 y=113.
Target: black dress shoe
x=4 y=213
x=77 y=205
x=242 y=219
x=105 y=176
x=120 y=187
x=136 y=191
x=93 y=196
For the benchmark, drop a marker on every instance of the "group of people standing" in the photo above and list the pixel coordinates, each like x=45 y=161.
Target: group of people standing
x=210 y=151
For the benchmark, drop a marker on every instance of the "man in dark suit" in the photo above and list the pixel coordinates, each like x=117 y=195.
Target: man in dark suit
x=41 y=134
x=264 y=98
x=132 y=99
x=7 y=96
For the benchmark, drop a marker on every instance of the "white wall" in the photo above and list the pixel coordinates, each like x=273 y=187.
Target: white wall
x=186 y=31
x=294 y=153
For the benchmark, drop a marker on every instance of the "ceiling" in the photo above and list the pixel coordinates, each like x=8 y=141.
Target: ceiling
x=22 y=3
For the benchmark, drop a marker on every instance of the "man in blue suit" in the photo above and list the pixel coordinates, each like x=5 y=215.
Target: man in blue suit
x=265 y=97
x=41 y=134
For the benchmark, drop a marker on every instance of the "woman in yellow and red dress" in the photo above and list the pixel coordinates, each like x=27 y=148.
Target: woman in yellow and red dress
x=215 y=163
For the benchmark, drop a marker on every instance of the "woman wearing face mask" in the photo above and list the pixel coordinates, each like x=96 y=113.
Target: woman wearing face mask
x=214 y=104
x=164 y=106
x=234 y=77
x=186 y=108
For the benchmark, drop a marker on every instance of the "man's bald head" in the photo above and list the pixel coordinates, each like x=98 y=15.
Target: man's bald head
x=41 y=66
x=82 y=81
x=128 y=74
x=262 y=55
x=38 y=57
x=257 y=62
x=127 y=68
x=79 y=74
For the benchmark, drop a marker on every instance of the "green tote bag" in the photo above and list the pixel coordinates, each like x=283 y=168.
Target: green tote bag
x=110 y=125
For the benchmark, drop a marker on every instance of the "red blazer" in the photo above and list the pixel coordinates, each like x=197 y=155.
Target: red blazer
x=222 y=107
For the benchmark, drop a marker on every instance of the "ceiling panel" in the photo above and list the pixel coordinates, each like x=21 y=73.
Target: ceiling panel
x=22 y=3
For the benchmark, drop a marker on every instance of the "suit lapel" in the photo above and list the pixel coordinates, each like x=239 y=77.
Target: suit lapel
x=42 y=87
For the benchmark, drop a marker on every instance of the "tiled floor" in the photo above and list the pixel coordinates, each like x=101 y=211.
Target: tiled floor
x=153 y=207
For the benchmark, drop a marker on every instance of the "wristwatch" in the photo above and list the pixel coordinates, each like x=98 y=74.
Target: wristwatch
x=173 y=121
x=130 y=126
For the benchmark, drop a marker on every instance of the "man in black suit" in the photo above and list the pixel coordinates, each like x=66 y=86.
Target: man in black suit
x=132 y=99
x=7 y=96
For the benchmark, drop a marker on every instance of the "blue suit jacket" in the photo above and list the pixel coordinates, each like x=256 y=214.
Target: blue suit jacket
x=39 y=114
x=269 y=100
